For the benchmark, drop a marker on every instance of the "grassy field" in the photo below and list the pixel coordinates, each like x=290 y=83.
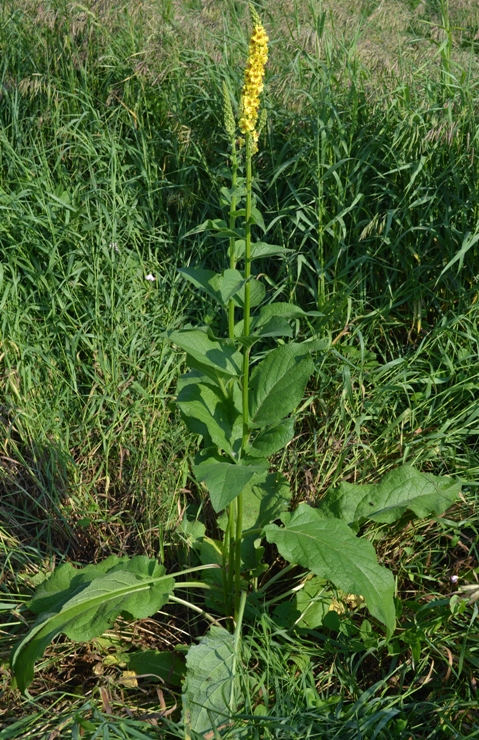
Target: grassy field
x=112 y=149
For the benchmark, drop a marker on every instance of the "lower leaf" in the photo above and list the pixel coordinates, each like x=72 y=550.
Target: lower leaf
x=209 y=687
x=329 y=548
x=85 y=610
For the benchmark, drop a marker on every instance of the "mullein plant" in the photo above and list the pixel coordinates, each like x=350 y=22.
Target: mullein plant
x=239 y=396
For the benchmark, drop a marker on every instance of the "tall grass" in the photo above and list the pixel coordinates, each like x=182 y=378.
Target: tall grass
x=112 y=148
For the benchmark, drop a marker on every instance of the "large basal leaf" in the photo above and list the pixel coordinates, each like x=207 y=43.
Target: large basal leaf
x=211 y=553
x=329 y=548
x=207 y=411
x=209 y=681
x=224 y=480
x=168 y=667
x=82 y=604
x=278 y=383
x=59 y=585
x=307 y=607
x=401 y=489
x=216 y=354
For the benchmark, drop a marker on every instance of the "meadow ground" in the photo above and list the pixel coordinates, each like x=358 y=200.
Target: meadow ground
x=112 y=148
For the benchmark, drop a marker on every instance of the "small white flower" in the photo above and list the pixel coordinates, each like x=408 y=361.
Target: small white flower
x=151 y=278
x=454 y=579
x=114 y=245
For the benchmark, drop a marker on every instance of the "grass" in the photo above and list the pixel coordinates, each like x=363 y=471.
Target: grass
x=111 y=150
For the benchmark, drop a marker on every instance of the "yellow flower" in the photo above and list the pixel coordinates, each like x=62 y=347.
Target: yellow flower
x=253 y=79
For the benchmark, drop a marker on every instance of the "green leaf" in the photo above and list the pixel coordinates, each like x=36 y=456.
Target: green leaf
x=168 y=667
x=231 y=284
x=224 y=286
x=277 y=310
x=264 y=500
x=58 y=585
x=329 y=548
x=206 y=280
x=402 y=489
x=256 y=218
x=87 y=603
x=211 y=553
x=278 y=383
x=272 y=439
x=308 y=607
x=273 y=320
x=469 y=241
x=260 y=250
x=214 y=224
x=208 y=354
x=275 y=327
x=224 y=480
x=312 y=602
x=208 y=412
x=209 y=681
x=257 y=293
x=193 y=531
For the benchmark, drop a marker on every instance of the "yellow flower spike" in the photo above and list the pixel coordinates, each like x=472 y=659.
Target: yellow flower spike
x=253 y=78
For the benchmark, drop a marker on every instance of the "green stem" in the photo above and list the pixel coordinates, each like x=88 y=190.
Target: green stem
x=177 y=600
x=238 y=540
x=237 y=648
x=231 y=554
x=245 y=379
x=234 y=171
x=247 y=288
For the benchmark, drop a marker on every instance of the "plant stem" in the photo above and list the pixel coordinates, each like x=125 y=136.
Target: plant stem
x=247 y=288
x=231 y=553
x=183 y=602
x=232 y=251
x=237 y=647
x=228 y=551
x=245 y=379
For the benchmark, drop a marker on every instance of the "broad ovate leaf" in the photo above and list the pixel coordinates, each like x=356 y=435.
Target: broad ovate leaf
x=82 y=604
x=279 y=309
x=260 y=250
x=272 y=439
x=278 y=383
x=265 y=499
x=330 y=549
x=307 y=607
x=208 y=694
x=402 y=489
x=212 y=356
x=167 y=667
x=206 y=410
x=225 y=480
x=206 y=280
